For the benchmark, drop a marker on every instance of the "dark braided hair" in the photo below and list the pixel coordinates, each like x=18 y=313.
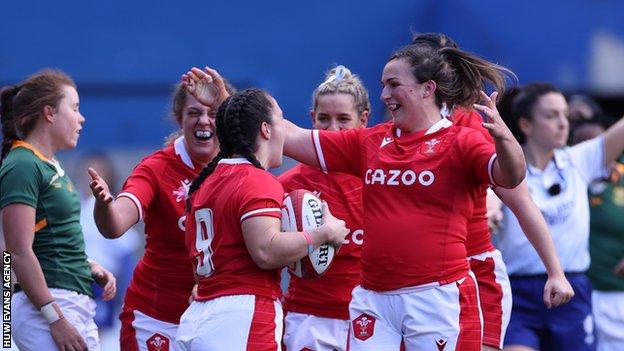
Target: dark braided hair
x=9 y=132
x=22 y=105
x=238 y=123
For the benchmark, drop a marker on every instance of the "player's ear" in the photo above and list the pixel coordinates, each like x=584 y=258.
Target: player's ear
x=525 y=125
x=265 y=131
x=364 y=119
x=428 y=88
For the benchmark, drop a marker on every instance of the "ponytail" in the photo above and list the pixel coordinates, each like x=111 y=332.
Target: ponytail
x=9 y=130
x=472 y=72
x=210 y=167
x=459 y=75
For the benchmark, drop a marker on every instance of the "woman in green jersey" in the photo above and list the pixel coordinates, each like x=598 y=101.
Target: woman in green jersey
x=53 y=305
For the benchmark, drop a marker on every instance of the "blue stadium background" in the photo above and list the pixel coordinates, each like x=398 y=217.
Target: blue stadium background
x=125 y=56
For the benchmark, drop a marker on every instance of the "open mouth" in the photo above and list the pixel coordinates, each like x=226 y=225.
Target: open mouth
x=203 y=135
x=393 y=107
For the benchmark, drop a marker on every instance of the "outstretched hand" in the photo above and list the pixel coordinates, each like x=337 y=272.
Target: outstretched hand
x=206 y=86
x=494 y=123
x=99 y=187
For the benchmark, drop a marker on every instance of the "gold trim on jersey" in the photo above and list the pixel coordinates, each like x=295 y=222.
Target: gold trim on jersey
x=40 y=225
x=57 y=166
x=22 y=143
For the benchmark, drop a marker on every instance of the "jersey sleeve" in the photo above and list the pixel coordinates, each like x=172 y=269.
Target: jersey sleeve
x=479 y=156
x=140 y=187
x=20 y=183
x=589 y=158
x=261 y=195
x=338 y=151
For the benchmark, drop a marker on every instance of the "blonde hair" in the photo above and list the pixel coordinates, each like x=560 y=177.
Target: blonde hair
x=340 y=80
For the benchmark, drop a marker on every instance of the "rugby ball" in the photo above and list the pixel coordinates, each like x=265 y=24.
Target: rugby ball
x=302 y=210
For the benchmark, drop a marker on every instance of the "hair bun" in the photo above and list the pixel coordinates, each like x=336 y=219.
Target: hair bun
x=338 y=73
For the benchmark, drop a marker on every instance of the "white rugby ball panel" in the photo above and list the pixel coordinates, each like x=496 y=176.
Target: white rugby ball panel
x=302 y=210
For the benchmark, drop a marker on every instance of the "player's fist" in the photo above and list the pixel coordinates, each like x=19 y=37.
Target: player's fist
x=557 y=291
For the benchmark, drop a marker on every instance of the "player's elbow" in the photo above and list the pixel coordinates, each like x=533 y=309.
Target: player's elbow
x=512 y=179
x=516 y=178
x=265 y=259
x=110 y=233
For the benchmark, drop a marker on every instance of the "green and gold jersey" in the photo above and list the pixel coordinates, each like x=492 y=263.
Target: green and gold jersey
x=606 y=238
x=27 y=177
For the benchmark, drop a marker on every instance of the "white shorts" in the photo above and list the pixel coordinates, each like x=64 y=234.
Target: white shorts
x=443 y=317
x=315 y=333
x=608 y=307
x=31 y=331
x=494 y=295
x=140 y=332
x=232 y=323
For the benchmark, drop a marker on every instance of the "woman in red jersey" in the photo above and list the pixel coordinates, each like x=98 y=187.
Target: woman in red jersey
x=318 y=309
x=485 y=260
x=420 y=177
x=233 y=232
x=155 y=192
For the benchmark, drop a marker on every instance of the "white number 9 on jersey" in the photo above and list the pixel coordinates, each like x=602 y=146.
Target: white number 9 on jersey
x=204 y=233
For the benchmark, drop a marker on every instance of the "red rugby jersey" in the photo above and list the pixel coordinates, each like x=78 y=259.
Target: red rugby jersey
x=329 y=295
x=163 y=279
x=479 y=239
x=236 y=191
x=419 y=192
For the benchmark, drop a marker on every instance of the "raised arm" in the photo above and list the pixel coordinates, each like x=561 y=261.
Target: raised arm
x=270 y=248
x=113 y=217
x=557 y=289
x=509 y=169
x=614 y=141
x=299 y=145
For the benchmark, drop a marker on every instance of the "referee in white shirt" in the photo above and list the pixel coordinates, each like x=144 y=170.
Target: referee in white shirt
x=558 y=178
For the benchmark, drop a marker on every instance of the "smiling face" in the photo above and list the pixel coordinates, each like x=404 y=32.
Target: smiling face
x=337 y=112
x=549 y=126
x=198 y=128
x=67 y=121
x=402 y=94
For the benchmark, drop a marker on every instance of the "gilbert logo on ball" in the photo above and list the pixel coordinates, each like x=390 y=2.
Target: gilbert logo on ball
x=302 y=210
